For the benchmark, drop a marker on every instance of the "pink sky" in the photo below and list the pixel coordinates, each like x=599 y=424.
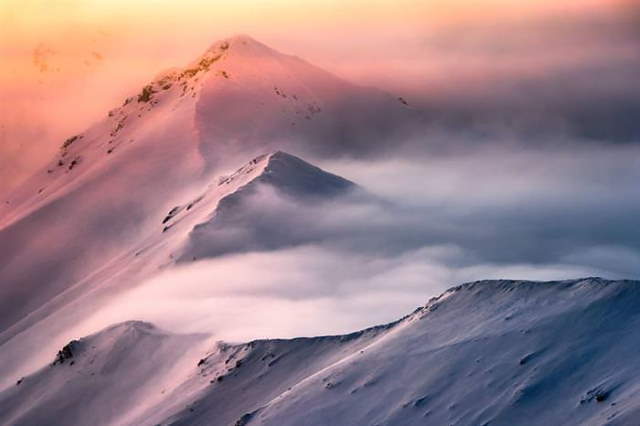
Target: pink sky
x=66 y=63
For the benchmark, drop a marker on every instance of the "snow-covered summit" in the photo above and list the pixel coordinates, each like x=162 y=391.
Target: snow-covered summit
x=283 y=172
x=295 y=176
x=240 y=44
x=109 y=183
x=226 y=217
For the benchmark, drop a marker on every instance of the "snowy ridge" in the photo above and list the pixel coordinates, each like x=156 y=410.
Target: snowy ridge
x=165 y=143
x=225 y=205
x=168 y=97
x=488 y=352
x=239 y=98
x=182 y=233
x=284 y=172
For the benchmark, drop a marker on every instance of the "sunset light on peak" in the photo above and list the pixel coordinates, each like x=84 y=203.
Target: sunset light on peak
x=67 y=52
x=319 y=213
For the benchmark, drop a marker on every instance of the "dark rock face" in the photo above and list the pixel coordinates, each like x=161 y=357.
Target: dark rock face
x=66 y=353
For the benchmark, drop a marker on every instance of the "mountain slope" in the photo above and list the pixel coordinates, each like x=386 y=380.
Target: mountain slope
x=244 y=220
x=489 y=352
x=111 y=184
x=204 y=225
x=111 y=374
x=264 y=100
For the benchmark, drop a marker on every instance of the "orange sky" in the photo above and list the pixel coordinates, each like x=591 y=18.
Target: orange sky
x=66 y=62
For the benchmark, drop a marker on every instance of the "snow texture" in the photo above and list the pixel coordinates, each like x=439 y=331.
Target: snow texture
x=488 y=352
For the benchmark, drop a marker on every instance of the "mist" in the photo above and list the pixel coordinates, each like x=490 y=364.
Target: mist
x=412 y=229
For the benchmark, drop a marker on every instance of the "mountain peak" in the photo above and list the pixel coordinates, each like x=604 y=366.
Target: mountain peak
x=289 y=174
x=238 y=203
x=242 y=38
x=294 y=175
x=239 y=43
x=228 y=202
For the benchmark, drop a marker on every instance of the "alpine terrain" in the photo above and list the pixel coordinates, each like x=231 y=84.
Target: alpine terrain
x=483 y=353
x=216 y=159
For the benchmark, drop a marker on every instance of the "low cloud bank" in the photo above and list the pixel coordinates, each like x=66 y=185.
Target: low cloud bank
x=306 y=290
x=282 y=268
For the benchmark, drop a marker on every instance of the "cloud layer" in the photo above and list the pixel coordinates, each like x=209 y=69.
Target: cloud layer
x=282 y=267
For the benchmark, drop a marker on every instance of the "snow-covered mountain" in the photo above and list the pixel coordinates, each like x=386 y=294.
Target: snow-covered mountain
x=290 y=176
x=112 y=183
x=206 y=224
x=152 y=187
x=483 y=353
